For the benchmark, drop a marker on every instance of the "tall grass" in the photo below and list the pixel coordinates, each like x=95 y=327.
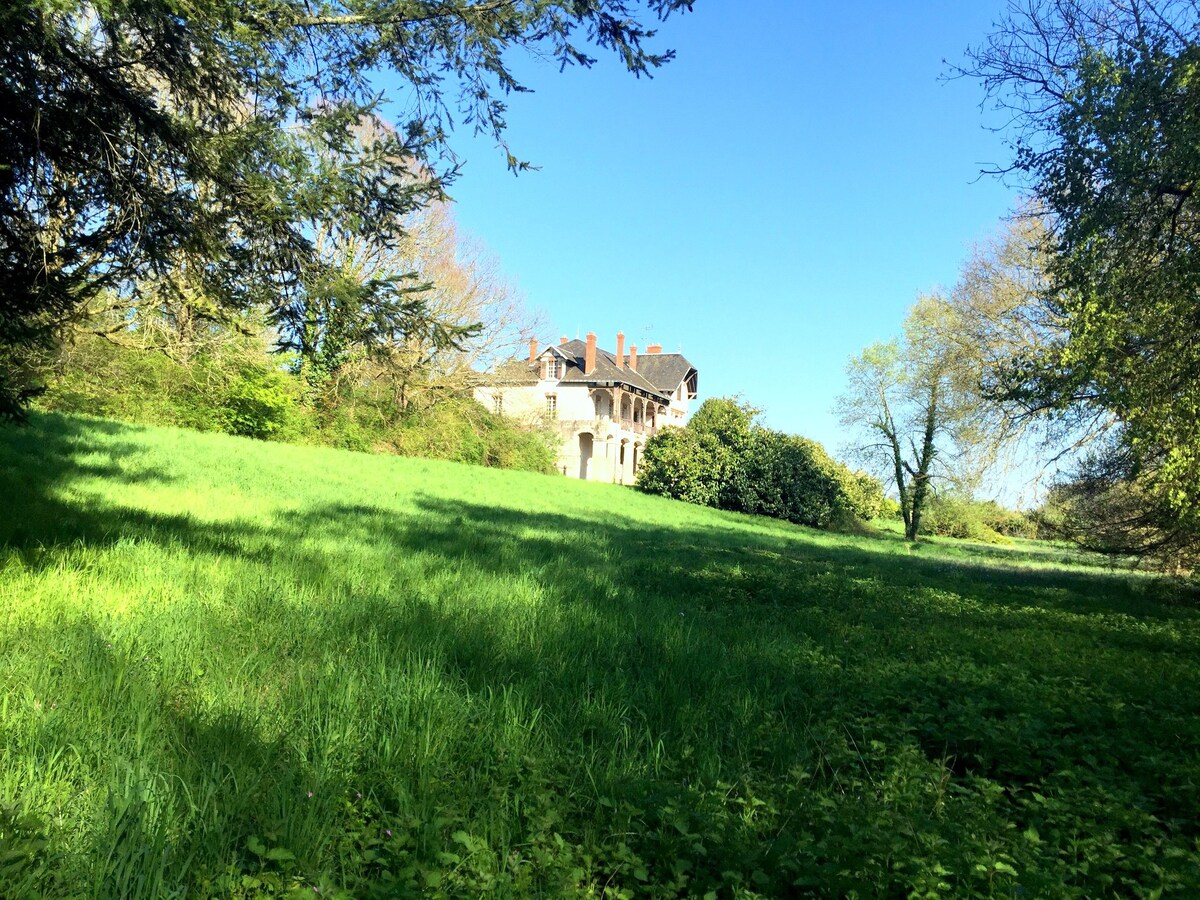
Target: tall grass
x=237 y=669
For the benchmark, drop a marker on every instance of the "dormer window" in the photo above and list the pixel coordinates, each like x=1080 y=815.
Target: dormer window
x=556 y=368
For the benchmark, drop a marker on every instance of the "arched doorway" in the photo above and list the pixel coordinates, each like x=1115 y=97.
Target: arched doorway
x=586 y=445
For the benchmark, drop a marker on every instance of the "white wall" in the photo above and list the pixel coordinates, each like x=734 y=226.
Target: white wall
x=576 y=412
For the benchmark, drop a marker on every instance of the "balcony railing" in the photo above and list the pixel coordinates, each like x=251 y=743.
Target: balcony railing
x=636 y=427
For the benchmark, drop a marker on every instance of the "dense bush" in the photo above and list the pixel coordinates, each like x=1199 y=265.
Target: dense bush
x=792 y=478
x=464 y=431
x=889 y=508
x=724 y=459
x=866 y=496
x=683 y=464
x=259 y=401
x=227 y=388
x=958 y=516
x=1008 y=522
x=238 y=387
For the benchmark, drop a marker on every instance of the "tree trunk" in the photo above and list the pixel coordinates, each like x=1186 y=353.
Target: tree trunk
x=888 y=427
x=921 y=477
x=901 y=488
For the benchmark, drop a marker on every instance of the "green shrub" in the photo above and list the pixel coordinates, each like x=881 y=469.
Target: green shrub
x=957 y=516
x=511 y=448
x=100 y=378
x=259 y=402
x=462 y=430
x=724 y=459
x=794 y=479
x=679 y=463
x=238 y=386
x=865 y=495
x=1008 y=522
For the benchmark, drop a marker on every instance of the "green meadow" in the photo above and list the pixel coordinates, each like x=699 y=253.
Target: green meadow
x=239 y=669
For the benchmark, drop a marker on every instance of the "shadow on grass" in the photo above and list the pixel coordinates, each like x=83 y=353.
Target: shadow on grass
x=39 y=462
x=662 y=662
x=41 y=466
x=995 y=664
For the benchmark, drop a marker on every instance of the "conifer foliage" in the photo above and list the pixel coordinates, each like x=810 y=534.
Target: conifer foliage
x=138 y=136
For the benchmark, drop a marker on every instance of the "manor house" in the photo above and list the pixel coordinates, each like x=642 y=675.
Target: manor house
x=604 y=405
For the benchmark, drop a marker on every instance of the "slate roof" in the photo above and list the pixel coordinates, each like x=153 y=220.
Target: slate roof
x=510 y=373
x=657 y=373
x=667 y=370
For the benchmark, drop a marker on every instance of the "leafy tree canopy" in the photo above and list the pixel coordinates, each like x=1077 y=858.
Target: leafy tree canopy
x=1105 y=95
x=138 y=136
x=914 y=407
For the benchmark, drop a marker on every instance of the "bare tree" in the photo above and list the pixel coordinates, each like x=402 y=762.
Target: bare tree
x=912 y=404
x=472 y=317
x=1010 y=328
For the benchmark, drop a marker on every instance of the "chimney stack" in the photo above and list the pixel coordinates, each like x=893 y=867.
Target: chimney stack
x=620 y=349
x=562 y=340
x=654 y=348
x=533 y=349
x=633 y=358
x=589 y=357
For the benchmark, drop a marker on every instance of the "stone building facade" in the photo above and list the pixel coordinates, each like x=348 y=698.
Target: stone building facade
x=604 y=404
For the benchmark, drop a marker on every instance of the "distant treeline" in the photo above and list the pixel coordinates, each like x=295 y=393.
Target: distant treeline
x=243 y=389
x=339 y=368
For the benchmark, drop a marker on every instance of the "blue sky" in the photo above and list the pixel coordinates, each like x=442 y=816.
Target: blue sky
x=770 y=202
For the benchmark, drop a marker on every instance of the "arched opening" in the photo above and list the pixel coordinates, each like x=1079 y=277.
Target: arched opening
x=606 y=404
x=638 y=409
x=626 y=409
x=637 y=457
x=586 y=445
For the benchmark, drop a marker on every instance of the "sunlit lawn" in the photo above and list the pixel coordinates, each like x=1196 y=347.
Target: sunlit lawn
x=233 y=668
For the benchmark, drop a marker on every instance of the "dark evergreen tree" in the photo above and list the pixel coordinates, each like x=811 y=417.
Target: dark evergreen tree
x=138 y=136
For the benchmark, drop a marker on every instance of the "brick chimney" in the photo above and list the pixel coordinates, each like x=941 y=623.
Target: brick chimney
x=533 y=349
x=562 y=340
x=654 y=348
x=620 y=349
x=589 y=356
x=633 y=358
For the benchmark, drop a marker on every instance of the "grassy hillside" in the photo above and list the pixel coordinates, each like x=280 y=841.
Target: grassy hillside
x=230 y=668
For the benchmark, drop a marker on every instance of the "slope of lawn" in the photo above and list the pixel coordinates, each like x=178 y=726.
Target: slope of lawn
x=230 y=668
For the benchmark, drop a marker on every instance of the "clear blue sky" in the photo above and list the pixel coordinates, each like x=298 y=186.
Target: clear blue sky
x=770 y=202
